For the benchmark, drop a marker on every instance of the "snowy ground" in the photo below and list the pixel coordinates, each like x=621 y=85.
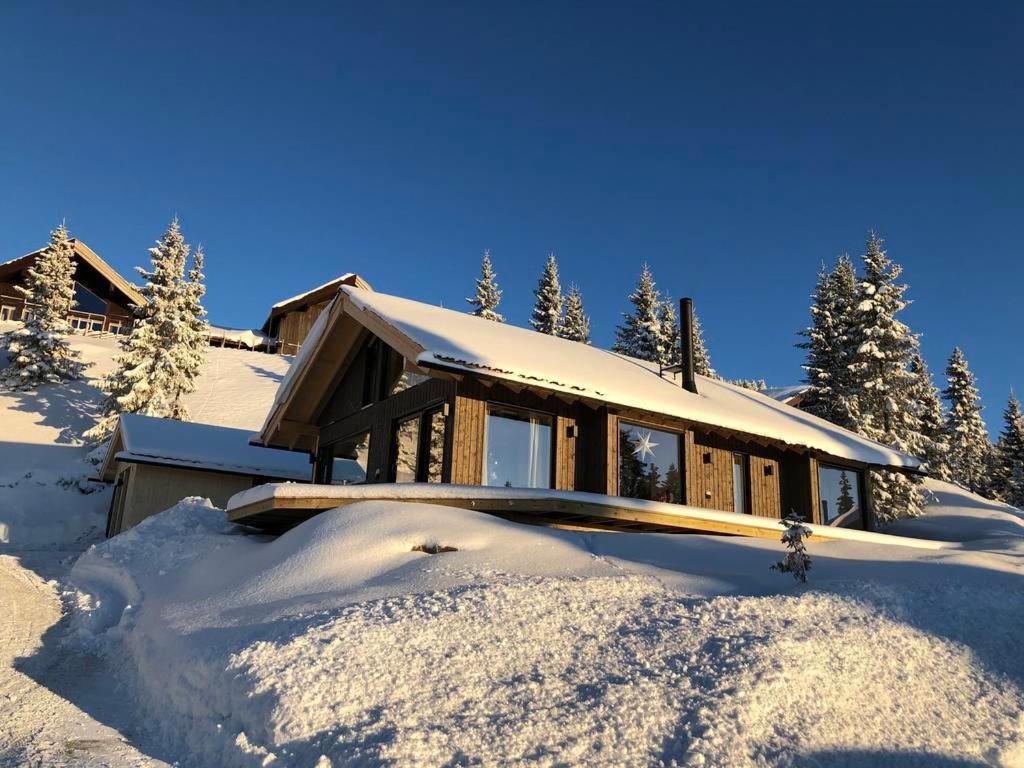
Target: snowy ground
x=188 y=641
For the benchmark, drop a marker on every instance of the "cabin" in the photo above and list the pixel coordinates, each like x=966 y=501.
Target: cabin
x=103 y=298
x=291 y=320
x=154 y=463
x=413 y=393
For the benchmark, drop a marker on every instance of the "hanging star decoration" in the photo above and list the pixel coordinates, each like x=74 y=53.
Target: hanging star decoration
x=645 y=447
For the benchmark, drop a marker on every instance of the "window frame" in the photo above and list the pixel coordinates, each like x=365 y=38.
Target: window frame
x=552 y=448
x=680 y=436
x=747 y=485
x=859 y=484
x=423 y=418
x=328 y=454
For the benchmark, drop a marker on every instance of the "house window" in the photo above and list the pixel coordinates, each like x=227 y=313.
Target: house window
x=839 y=491
x=114 y=327
x=649 y=464
x=518 y=448
x=6 y=313
x=741 y=483
x=350 y=460
x=88 y=302
x=418 y=448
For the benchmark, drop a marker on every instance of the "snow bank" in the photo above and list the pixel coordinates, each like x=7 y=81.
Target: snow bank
x=530 y=645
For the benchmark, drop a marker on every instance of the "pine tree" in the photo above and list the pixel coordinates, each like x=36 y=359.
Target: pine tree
x=547 y=309
x=38 y=352
x=576 y=325
x=845 y=503
x=488 y=295
x=1008 y=475
x=193 y=330
x=969 y=445
x=880 y=351
x=640 y=334
x=670 y=352
x=828 y=345
x=923 y=397
x=758 y=385
x=154 y=368
x=701 y=356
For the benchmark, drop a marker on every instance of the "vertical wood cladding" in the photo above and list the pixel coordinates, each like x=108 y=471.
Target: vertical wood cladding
x=294 y=326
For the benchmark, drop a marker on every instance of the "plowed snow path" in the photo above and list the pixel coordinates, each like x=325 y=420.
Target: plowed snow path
x=39 y=727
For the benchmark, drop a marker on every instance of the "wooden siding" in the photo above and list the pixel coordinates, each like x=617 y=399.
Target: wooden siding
x=292 y=328
x=709 y=474
x=765 y=489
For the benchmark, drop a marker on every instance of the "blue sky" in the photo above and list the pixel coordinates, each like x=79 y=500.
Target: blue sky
x=732 y=146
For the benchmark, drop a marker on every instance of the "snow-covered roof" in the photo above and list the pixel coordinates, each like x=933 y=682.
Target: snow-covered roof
x=321 y=293
x=247 y=336
x=151 y=440
x=433 y=337
x=785 y=394
x=304 y=294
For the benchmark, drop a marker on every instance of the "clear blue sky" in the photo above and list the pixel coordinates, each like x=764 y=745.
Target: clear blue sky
x=734 y=147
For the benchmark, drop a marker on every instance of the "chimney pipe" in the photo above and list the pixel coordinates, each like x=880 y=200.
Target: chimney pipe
x=686 y=345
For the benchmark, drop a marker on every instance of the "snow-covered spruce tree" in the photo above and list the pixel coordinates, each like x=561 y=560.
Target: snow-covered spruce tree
x=701 y=357
x=670 y=352
x=547 y=309
x=576 y=324
x=758 y=385
x=488 y=295
x=881 y=347
x=1008 y=475
x=923 y=396
x=796 y=561
x=640 y=334
x=828 y=345
x=38 y=352
x=969 y=445
x=153 y=369
x=192 y=342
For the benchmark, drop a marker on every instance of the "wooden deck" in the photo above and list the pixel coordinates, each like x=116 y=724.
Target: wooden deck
x=592 y=512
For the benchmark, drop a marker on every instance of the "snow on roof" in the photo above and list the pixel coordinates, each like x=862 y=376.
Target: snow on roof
x=249 y=337
x=782 y=394
x=460 y=341
x=328 y=284
x=202 y=446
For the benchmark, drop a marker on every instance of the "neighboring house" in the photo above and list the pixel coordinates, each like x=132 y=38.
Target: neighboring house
x=240 y=338
x=103 y=299
x=290 y=321
x=154 y=463
x=416 y=393
x=793 y=395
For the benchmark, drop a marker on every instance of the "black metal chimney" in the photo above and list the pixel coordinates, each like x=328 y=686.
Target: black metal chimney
x=686 y=345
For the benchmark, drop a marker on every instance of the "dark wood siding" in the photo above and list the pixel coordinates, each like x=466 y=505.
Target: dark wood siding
x=294 y=326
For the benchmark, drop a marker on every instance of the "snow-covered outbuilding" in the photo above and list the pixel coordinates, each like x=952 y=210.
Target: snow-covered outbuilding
x=417 y=393
x=291 y=320
x=103 y=298
x=154 y=463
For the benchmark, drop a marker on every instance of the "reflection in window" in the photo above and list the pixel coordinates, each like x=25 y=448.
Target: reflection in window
x=350 y=460
x=435 y=452
x=741 y=483
x=87 y=301
x=407 y=446
x=649 y=466
x=518 y=453
x=839 y=490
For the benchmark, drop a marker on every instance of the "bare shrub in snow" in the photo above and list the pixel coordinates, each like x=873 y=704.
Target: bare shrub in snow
x=796 y=561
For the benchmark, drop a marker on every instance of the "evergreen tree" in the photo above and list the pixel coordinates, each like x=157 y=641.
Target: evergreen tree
x=1008 y=475
x=576 y=325
x=923 y=397
x=828 y=345
x=640 y=334
x=547 y=309
x=880 y=350
x=701 y=356
x=758 y=385
x=154 y=369
x=969 y=445
x=488 y=295
x=38 y=352
x=844 y=504
x=193 y=330
x=670 y=334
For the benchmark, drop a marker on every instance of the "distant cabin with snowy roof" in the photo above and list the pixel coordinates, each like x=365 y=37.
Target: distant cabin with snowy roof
x=417 y=393
x=154 y=463
x=103 y=298
x=291 y=320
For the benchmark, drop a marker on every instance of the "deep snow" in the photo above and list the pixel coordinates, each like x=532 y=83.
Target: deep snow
x=530 y=645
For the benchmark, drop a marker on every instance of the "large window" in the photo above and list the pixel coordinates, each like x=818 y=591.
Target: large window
x=839 y=491
x=649 y=464
x=518 y=452
x=350 y=460
x=741 y=483
x=418 y=448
